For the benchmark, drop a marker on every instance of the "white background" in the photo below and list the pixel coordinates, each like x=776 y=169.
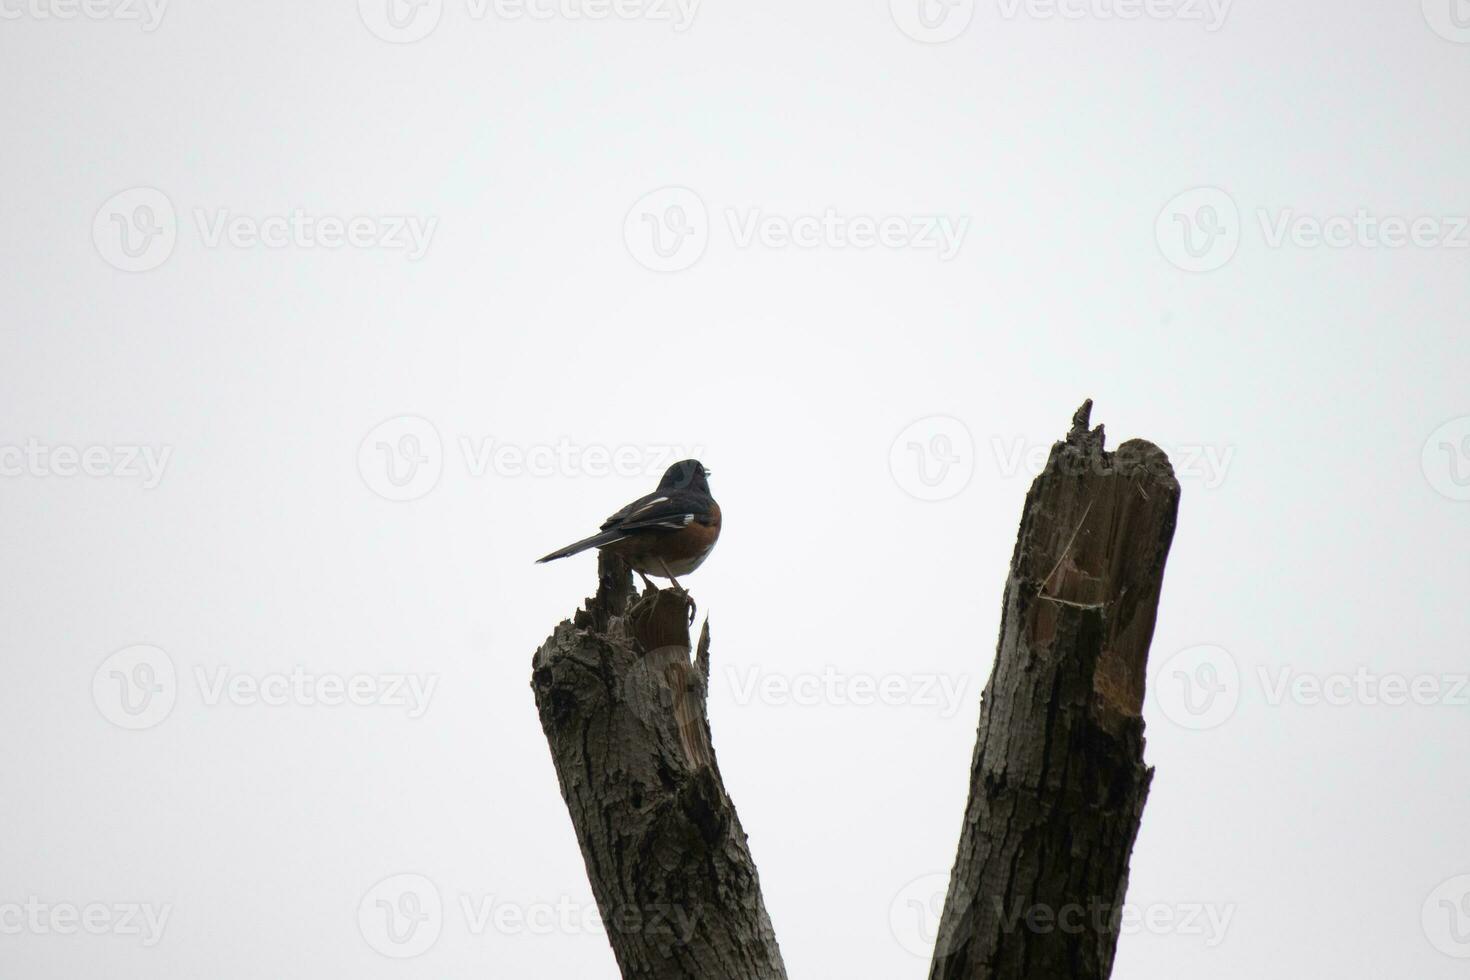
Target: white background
x=1329 y=383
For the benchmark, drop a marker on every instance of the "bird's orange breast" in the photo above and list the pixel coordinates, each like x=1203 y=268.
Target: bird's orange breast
x=693 y=541
x=684 y=547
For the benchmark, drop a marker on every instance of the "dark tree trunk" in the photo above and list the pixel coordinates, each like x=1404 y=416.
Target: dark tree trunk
x=1057 y=784
x=623 y=709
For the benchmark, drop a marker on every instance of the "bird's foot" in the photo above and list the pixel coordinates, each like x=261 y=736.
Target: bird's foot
x=677 y=592
x=683 y=593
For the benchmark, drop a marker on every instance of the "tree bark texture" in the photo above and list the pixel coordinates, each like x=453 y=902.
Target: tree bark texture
x=1057 y=781
x=623 y=710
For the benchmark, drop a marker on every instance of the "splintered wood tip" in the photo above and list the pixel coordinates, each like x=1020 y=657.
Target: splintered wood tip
x=1082 y=419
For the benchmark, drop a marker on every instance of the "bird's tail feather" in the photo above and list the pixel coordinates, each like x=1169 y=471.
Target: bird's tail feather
x=596 y=541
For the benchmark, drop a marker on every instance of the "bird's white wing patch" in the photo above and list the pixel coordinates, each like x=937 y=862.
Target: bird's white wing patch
x=667 y=520
x=652 y=503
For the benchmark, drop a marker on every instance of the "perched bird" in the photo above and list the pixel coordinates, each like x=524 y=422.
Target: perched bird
x=667 y=533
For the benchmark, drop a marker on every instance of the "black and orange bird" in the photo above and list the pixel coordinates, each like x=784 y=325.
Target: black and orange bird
x=667 y=533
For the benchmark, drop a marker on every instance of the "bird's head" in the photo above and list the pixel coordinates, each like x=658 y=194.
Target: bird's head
x=688 y=474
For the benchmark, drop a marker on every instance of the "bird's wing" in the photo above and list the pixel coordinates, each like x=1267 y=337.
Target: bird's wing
x=667 y=510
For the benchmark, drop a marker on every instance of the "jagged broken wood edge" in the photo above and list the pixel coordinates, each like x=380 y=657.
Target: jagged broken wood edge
x=624 y=713
x=1058 y=782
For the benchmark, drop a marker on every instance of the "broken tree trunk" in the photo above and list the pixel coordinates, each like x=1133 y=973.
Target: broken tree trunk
x=623 y=709
x=1058 y=783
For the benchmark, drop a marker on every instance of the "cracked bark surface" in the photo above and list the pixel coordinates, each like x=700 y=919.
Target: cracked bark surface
x=623 y=710
x=1057 y=781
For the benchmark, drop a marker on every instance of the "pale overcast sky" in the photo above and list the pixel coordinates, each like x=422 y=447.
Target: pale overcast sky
x=322 y=323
